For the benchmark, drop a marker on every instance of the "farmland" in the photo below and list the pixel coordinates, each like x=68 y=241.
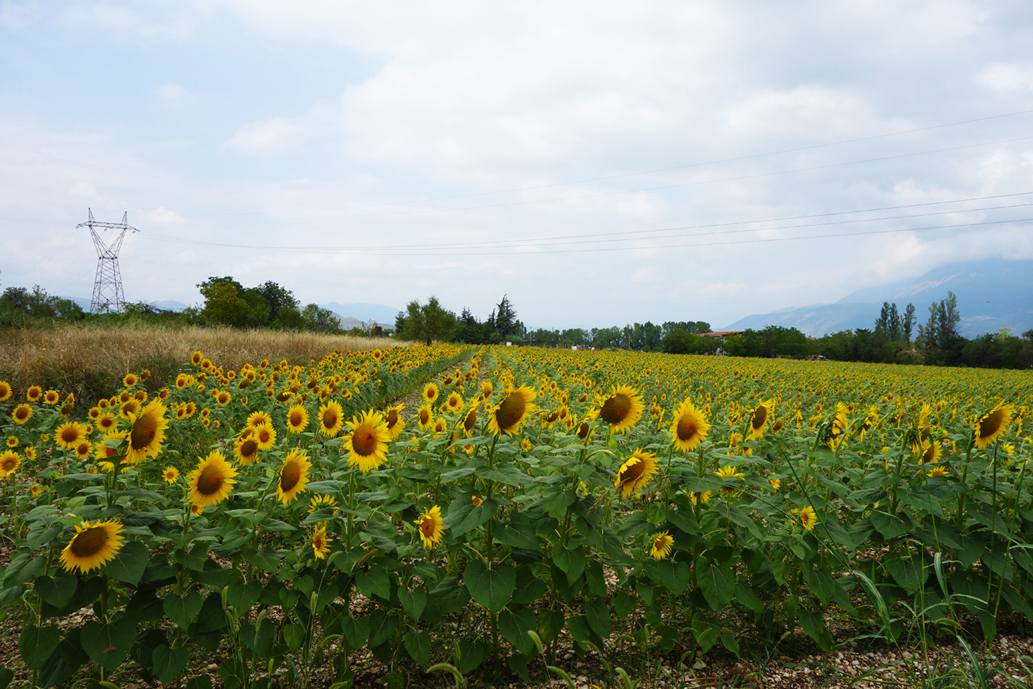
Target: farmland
x=450 y=514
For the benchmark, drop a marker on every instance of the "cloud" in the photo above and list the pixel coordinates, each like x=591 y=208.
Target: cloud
x=281 y=135
x=171 y=93
x=1006 y=78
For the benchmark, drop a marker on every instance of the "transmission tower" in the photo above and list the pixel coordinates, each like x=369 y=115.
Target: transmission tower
x=107 y=289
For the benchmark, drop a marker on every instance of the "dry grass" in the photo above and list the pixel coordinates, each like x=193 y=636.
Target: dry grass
x=91 y=360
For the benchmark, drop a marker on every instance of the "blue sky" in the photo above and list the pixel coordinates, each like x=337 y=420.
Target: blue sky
x=390 y=147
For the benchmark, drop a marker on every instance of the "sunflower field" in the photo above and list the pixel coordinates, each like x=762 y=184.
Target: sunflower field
x=422 y=515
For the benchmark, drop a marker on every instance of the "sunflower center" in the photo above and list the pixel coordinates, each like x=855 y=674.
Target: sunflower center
x=615 y=409
x=582 y=430
x=392 y=418
x=263 y=435
x=424 y=416
x=21 y=413
x=511 y=410
x=686 y=428
x=760 y=417
x=470 y=420
x=90 y=541
x=296 y=419
x=329 y=418
x=364 y=441
x=289 y=476
x=248 y=449
x=70 y=435
x=427 y=527
x=210 y=481
x=632 y=472
x=991 y=423
x=144 y=430
x=9 y=464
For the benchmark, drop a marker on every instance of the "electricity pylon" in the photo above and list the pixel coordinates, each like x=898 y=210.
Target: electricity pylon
x=107 y=288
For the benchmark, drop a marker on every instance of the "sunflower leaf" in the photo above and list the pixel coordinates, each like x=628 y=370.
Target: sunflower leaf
x=169 y=662
x=716 y=582
x=108 y=644
x=37 y=643
x=128 y=564
x=491 y=588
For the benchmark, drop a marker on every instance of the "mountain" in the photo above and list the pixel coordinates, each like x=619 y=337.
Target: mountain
x=992 y=294
x=383 y=315
x=167 y=305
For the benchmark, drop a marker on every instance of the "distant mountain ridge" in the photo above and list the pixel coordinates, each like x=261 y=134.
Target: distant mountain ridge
x=992 y=294
x=383 y=315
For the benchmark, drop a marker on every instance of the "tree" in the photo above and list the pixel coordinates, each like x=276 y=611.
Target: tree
x=277 y=298
x=320 y=319
x=907 y=323
x=428 y=322
x=224 y=302
x=505 y=320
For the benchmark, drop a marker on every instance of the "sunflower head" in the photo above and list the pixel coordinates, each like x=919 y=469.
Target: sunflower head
x=331 y=419
x=171 y=474
x=514 y=408
x=68 y=435
x=430 y=393
x=34 y=393
x=367 y=442
x=660 y=545
x=92 y=546
x=425 y=415
x=621 y=408
x=245 y=450
x=431 y=527
x=688 y=427
x=297 y=419
x=293 y=476
x=5 y=391
x=320 y=542
x=9 y=463
x=991 y=425
x=211 y=482
x=52 y=397
x=635 y=472
x=147 y=432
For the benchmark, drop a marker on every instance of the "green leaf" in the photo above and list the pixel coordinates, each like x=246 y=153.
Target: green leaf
x=23 y=567
x=128 y=564
x=491 y=588
x=37 y=643
x=58 y=588
x=107 y=644
x=820 y=582
x=675 y=576
x=579 y=629
x=449 y=596
x=413 y=602
x=685 y=520
x=529 y=588
x=374 y=582
x=471 y=654
x=515 y=625
x=169 y=663
x=570 y=560
x=508 y=475
x=294 y=635
x=729 y=642
x=464 y=516
x=456 y=474
x=556 y=501
x=382 y=627
x=265 y=560
x=814 y=626
x=270 y=524
x=241 y=597
x=6 y=676
x=183 y=610
x=355 y=630
x=212 y=617
x=194 y=559
x=891 y=526
x=745 y=596
x=623 y=604
x=64 y=661
x=910 y=572
x=518 y=664
x=418 y=646
x=716 y=582
x=519 y=533
x=705 y=632
x=598 y=614
x=326 y=487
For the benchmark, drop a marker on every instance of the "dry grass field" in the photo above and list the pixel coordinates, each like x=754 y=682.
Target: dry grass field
x=88 y=360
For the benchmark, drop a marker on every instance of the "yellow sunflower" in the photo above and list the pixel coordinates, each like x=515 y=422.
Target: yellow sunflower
x=106 y=451
x=259 y=418
x=92 y=546
x=319 y=502
x=293 y=476
x=937 y=471
x=425 y=415
x=223 y=397
x=775 y=483
x=431 y=527
x=661 y=545
x=147 y=432
x=211 y=482
x=394 y=421
x=265 y=436
x=430 y=393
x=991 y=425
x=82 y=449
x=621 y=408
x=9 y=463
x=470 y=420
x=171 y=474
x=808 y=518
x=367 y=443
x=68 y=435
x=728 y=471
x=688 y=427
x=759 y=419
x=454 y=403
x=331 y=419
x=106 y=422
x=320 y=542
x=297 y=419
x=245 y=450
x=5 y=391
x=130 y=380
x=52 y=397
x=513 y=410
x=34 y=393
x=635 y=473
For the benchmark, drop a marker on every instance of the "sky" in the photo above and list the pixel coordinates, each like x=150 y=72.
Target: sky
x=600 y=163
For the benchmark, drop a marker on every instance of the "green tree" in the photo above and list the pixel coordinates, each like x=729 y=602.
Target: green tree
x=224 y=302
x=277 y=297
x=505 y=319
x=320 y=319
x=428 y=322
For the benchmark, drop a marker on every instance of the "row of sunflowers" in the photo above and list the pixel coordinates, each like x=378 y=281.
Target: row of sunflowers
x=479 y=510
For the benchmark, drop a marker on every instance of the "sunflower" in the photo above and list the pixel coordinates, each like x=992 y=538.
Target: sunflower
x=635 y=473
x=147 y=432
x=689 y=427
x=431 y=527
x=394 y=421
x=838 y=428
x=320 y=542
x=22 y=413
x=9 y=463
x=759 y=420
x=367 y=443
x=196 y=358
x=223 y=397
x=265 y=436
x=68 y=435
x=470 y=420
x=82 y=449
x=991 y=425
x=297 y=419
x=426 y=417
x=430 y=392
x=259 y=418
x=775 y=483
x=211 y=482
x=514 y=408
x=583 y=430
x=808 y=518
x=37 y=490
x=5 y=391
x=92 y=546
x=319 y=502
x=34 y=393
x=937 y=471
x=440 y=425
x=454 y=403
x=130 y=380
x=486 y=389
x=331 y=419
x=103 y=450
x=130 y=408
x=477 y=502
x=660 y=547
x=930 y=452
x=11 y=441
x=171 y=474
x=293 y=476
x=245 y=449
x=621 y=408
x=52 y=397
x=728 y=471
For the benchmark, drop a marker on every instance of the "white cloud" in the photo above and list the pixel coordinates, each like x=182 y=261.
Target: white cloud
x=282 y=135
x=171 y=93
x=1007 y=78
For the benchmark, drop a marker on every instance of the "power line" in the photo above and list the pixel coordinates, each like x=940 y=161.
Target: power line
x=654 y=170
x=552 y=240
